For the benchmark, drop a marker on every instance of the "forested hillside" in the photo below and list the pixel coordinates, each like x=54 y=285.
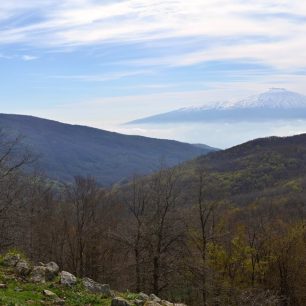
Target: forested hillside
x=224 y=229
x=65 y=150
x=257 y=165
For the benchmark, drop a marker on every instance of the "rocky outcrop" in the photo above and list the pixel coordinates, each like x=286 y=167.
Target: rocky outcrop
x=118 y=301
x=166 y=303
x=51 y=295
x=43 y=273
x=23 y=268
x=139 y=302
x=68 y=279
x=144 y=297
x=152 y=303
x=11 y=260
x=52 y=270
x=154 y=298
x=38 y=274
x=95 y=287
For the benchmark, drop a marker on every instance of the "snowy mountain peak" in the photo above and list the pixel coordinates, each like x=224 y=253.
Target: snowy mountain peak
x=274 y=104
x=273 y=98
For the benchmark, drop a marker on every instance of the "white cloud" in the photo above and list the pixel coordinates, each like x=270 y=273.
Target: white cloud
x=102 y=77
x=67 y=23
x=29 y=57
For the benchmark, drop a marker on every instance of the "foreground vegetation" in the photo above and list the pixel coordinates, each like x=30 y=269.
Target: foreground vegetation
x=226 y=229
x=17 y=288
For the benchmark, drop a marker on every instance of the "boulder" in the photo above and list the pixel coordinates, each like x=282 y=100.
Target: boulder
x=51 y=295
x=23 y=268
x=38 y=274
x=11 y=260
x=155 y=298
x=138 y=302
x=95 y=287
x=143 y=296
x=120 y=302
x=68 y=279
x=152 y=303
x=52 y=270
x=166 y=303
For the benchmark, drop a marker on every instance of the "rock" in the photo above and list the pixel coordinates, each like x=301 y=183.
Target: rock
x=68 y=279
x=23 y=268
x=139 y=302
x=120 y=302
x=152 y=303
x=52 y=270
x=38 y=274
x=49 y=293
x=3 y=286
x=166 y=303
x=155 y=298
x=143 y=296
x=54 y=297
x=59 y=301
x=95 y=287
x=11 y=260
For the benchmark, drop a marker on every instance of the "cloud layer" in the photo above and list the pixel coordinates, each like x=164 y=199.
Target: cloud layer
x=268 y=31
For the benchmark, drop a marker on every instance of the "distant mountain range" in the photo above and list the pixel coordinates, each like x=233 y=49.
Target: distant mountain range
x=277 y=103
x=69 y=150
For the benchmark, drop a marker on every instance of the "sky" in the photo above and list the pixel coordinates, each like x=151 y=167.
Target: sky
x=105 y=62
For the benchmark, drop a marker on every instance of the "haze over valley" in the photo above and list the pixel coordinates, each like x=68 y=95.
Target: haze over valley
x=276 y=112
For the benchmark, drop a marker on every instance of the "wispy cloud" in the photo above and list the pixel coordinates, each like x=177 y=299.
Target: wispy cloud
x=74 y=23
x=29 y=57
x=102 y=77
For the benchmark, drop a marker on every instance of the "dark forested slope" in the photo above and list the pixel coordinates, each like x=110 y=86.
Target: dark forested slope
x=68 y=150
x=258 y=165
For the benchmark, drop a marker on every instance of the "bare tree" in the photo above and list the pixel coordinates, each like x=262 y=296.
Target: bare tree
x=201 y=230
x=80 y=219
x=14 y=157
x=164 y=230
x=136 y=200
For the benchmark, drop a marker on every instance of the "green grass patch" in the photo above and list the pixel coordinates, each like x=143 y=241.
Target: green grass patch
x=21 y=293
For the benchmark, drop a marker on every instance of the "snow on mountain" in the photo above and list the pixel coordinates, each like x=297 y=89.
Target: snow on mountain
x=274 y=98
x=276 y=103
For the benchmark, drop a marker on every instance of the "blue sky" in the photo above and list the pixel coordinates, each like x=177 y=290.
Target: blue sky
x=105 y=62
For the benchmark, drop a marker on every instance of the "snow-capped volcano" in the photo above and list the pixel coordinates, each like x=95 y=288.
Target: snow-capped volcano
x=274 y=98
x=275 y=104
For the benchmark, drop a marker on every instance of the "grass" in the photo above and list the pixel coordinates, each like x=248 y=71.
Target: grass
x=21 y=292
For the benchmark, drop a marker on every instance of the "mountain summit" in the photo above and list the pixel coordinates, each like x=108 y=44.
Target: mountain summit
x=275 y=104
x=274 y=98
